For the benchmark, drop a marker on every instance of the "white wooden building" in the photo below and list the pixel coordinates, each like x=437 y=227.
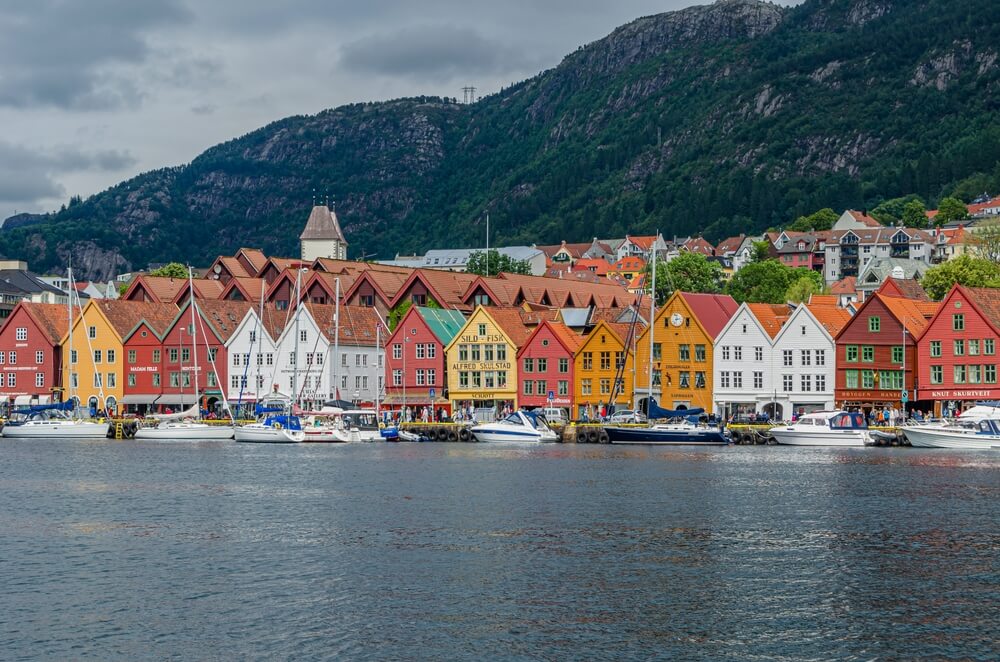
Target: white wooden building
x=743 y=372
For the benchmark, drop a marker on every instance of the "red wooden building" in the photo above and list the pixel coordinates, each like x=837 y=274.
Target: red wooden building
x=421 y=337
x=30 y=353
x=143 y=349
x=876 y=360
x=547 y=358
x=957 y=353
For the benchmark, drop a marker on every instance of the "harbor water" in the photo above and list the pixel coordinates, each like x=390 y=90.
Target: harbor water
x=140 y=550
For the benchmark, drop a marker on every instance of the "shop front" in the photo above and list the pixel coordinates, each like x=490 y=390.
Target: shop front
x=951 y=402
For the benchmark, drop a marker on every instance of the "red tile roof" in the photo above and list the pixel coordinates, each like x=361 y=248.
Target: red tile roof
x=223 y=317
x=593 y=265
x=699 y=245
x=904 y=287
x=730 y=245
x=712 y=310
x=644 y=243
x=772 y=317
x=629 y=263
x=987 y=300
x=861 y=217
x=358 y=324
x=832 y=317
x=51 y=318
x=915 y=314
x=123 y=316
x=846 y=285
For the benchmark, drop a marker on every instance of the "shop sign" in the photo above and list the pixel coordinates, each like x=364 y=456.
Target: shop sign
x=985 y=393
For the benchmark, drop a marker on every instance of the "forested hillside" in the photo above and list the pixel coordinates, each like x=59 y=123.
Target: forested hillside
x=732 y=117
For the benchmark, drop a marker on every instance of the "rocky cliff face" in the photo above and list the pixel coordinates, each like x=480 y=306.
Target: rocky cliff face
x=718 y=119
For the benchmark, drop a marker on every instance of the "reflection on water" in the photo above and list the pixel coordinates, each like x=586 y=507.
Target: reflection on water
x=431 y=551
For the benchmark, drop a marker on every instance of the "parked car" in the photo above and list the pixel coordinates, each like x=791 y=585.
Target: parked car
x=626 y=416
x=555 y=415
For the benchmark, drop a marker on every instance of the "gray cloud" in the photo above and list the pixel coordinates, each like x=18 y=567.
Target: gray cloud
x=433 y=52
x=28 y=176
x=65 y=54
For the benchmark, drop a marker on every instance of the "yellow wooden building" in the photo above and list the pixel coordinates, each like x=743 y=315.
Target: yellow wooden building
x=683 y=333
x=94 y=371
x=596 y=367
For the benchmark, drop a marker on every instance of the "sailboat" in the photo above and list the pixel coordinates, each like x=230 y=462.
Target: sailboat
x=676 y=427
x=56 y=421
x=184 y=425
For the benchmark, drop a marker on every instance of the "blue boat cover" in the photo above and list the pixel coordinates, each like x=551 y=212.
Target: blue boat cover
x=69 y=405
x=655 y=411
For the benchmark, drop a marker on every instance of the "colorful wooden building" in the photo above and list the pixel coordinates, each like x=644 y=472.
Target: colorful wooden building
x=957 y=353
x=876 y=353
x=415 y=358
x=143 y=347
x=30 y=353
x=603 y=370
x=683 y=331
x=546 y=366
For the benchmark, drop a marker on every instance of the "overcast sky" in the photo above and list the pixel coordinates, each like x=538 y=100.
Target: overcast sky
x=95 y=91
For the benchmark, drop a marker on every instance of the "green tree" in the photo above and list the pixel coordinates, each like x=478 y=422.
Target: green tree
x=172 y=270
x=761 y=251
x=494 y=262
x=769 y=282
x=801 y=289
x=950 y=209
x=688 y=272
x=965 y=270
x=890 y=212
x=819 y=220
x=914 y=214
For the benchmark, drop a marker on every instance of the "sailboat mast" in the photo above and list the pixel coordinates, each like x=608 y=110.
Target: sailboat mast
x=295 y=340
x=652 y=318
x=378 y=347
x=336 y=340
x=260 y=342
x=69 y=359
x=194 y=340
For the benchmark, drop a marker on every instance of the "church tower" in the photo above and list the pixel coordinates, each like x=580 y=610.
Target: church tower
x=323 y=236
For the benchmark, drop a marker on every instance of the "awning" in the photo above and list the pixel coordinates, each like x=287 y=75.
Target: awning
x=413 y=398
x=176 y=399
x=139 y=398
x=22 y=400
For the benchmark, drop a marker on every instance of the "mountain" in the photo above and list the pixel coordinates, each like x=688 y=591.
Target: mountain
x=718 y=119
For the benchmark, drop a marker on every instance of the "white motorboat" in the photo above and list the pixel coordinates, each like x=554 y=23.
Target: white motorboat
x=825 y=428
x=55 y=428
x=522 y=427
x=364 y=422
x=322 y=429
x=268 y=433
x=183 y=430
x=966 y=435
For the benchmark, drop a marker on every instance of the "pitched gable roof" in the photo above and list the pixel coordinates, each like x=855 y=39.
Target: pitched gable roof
x=699 y=245
x=712 y=310
x=904 y=287
x=863 y=218
x=51 y=318
x=770 y=316
x=222 y=317
x=915 y=315
x=831 y=317
x=444 y=324
x=124 y=316
x=159 y=288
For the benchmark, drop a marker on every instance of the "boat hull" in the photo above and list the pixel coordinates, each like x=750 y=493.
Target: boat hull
x=656 y=437
x=268 y=435
x=941 y=438
x=191 y=432
x=494 y=436
x=61 y=430
x=847 y=438
x=328 y=436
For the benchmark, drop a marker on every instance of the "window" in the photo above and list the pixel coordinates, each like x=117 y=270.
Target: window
x=588 y=360
x=156 y=379
x=529 y=365
x=897 y=353
x=72 y=357
x=820 y=357
x=960 y=374
x=937 y=374
x=92 y=332
x=39 y=357
x=563 y=365
x=867 y=354
x=303 y=335
x=211 y=379
x=357 y=360
x=990 y=374
x=562 y=387
x=477 y=352
x=343 y=381
x=807 y=357
x=431 y=377
x=253 y=336
x=699 y=379
x=851 y=353
x=605 y=360
x=97 y=379
x=543 y=365
x=291 y=358
x=725 y=352
x=685 y=379
x=501 y=352
x=744 y=328
x=343 y=360
x=656 y=377
x=935 y=349
x=39 y=379
x=973 y=348
x=806 y=383
x=959 y=348
x=541 y=387
x=111 y=380
x=12 y=358
x=21 y=333
x=657 y=351
x=989 y=347
x=699 y=353
x=684 y=352
x=737 y=380
x=758 y=353
x=482 y=329
x=738 y=353
x=111 y=356
x=958 y=322
x=463 y=379
x=131 y=356
x=803 y=328
x=431 y=350
x=98 y=355
x=270 y=358
x=397 y=351
x=786 y=355
x=357 y=381
x=585 y=387
x=974 y=374
x=185 y=355
x=724 y=379
x=172 y=356
x=397 y=377
x=851 y=378
x=74 y=379
x=820 y=382
x=421 y=375
x=874 y=324
x=12 y=378
x=420 y=350
x=758 y=380
x=786 y=383
x=867 y=379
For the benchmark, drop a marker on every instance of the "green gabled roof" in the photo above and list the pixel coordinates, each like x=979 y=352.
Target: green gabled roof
x=445 y=324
